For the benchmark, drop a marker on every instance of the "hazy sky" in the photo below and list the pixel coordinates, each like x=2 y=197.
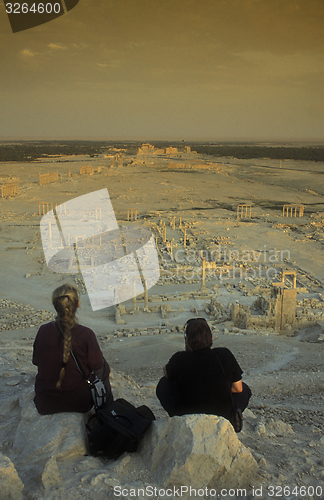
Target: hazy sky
x=167 y=69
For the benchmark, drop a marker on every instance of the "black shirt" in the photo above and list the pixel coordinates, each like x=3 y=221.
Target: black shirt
x=200 y=384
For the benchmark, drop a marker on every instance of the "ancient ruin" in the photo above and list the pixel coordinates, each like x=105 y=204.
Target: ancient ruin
x=47 y=178
x=293 y=210
x=132 y=214
x=44 y=207
x=256 y=280
x=244 y=211
x=9 y=189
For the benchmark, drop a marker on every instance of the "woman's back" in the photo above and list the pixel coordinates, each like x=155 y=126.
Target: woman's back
x=74 y=394
x=59 y=385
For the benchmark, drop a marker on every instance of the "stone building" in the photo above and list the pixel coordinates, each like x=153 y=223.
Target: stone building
x=277 y=311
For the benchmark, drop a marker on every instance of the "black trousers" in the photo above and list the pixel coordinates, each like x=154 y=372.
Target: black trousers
x=166 y=393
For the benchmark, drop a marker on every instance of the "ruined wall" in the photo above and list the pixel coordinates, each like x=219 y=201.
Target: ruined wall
x=9 y=189
x=47 y=178
x=286 y=307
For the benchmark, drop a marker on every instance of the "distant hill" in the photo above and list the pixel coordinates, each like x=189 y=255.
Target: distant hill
x=26 y=151
x=274 y=153
x=32 y=150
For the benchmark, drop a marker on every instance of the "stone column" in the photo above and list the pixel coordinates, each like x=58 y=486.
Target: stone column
x=134 y=297
x=203 y=273
x=145 y=295
x=50 y=232
x=118 y=318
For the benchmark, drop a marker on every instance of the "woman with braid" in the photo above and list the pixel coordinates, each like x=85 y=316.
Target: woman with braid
x=59 y=385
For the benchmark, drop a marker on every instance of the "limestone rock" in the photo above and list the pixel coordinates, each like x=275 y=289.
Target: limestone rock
x=9 y=406
x=250 y=422
x=42 y=438
x=197 y=450
x=51 y=475
x=11 y=485
x=280 y=428
x=260 y=428
x=118 y=318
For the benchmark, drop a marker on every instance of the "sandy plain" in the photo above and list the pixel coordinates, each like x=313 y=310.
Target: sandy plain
x=285 y=372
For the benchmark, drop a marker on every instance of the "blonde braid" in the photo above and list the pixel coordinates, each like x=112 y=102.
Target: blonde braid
x=65 y=301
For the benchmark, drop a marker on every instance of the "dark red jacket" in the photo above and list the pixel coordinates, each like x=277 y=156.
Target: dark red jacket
x=74 y=394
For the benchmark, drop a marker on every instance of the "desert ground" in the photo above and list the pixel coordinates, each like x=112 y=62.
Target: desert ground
x=284 y=423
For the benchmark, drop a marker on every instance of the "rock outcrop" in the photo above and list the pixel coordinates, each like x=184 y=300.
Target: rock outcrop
x=201 y=451
x=197 y=450
x=41 y=440
x=11 y=485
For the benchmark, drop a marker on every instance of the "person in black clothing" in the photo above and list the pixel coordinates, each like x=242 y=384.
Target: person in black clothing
x=199 y=379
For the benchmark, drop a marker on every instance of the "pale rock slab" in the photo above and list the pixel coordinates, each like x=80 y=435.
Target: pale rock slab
x=199 y=451
x=11 y=485
x=280 y=428
x=43 y=440
x=61 y=435
x=8 y=407
x=51 y=477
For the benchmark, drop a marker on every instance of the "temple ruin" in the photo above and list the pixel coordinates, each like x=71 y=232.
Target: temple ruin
x=9 y=189
x=293 y=210
x=244 y=211
x=47 y=178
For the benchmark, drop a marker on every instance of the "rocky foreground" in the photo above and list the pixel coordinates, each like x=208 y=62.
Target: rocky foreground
x=45 y=457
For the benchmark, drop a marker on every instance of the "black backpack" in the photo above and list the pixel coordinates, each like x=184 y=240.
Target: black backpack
x=117 y=428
